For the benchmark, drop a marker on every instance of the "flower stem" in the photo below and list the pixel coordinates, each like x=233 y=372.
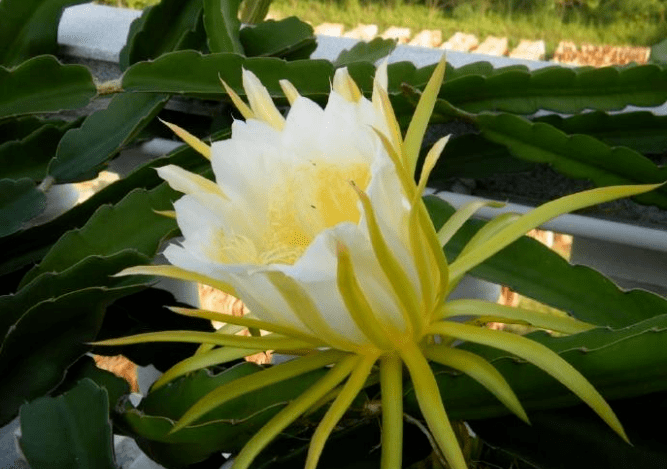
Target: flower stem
x=391 y=383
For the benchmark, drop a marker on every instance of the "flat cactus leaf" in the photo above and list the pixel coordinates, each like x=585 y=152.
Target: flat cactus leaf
x=93 y=271
x=370 y=51
x=135 y=226
x=642 y=131
x=43 y=84
x=20 y=201
x=620 y=363
x=31 y=245
x=82 y=152
x=29 y=156
x=48 y=338
x=227 y=428
x=164 y=27
x=29 y=28
x=559 y=89
x=71 y=431
x=222 y=25
x=576 y=156
x=289 y=38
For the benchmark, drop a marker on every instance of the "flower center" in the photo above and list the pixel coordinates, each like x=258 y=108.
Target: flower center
x=317 y=196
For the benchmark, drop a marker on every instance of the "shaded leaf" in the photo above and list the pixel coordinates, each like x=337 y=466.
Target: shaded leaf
x=472 y=156
x=85 y=368
x=69 y=431
x=371 y=51
x=576 y=156
x=21 y=127
x=31 y=245
x=289 y=38
x=83 y=151
x=146 y=311
x=164 y=27
x=135 y=226
x=222 y=25
x=641 y=131
x=560 y=89
x=354 y=446
x=43 y=84
x=193 y=74
x=575 y=438
x=46 y=340
x=29 y=28
x=93 y=271
x=20 y=201
x=28 y=157
x=227 y=428
x=533 y=270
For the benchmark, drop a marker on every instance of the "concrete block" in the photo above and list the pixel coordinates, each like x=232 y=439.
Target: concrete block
x=402 y=35
x=363 y=32
x=427 y=38
x=531 y=50
x=329 y=29
x=461 y=42
x=493 y=46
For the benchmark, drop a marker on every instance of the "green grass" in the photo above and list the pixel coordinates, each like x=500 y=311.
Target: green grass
x=545 y=24
x=542 y=25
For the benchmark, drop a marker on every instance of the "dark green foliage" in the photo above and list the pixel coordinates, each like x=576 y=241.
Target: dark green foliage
x=146 y=311
x=167 y=26
x=575 y=438
x=71 y=431
x=43 y=84
x=290 y=39
x=222 y=25
x=82 y=152
x=29 y=28
x=68 y=296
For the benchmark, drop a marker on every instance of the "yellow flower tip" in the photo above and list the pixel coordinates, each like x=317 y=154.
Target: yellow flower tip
x=415 y=133
x=429 y=163
x=135 y=270
x=166 y=213
x=344 y=85
x=242 y=107
x=260 y=101
x=289 y=90
x=381 y=77
x=190 y=139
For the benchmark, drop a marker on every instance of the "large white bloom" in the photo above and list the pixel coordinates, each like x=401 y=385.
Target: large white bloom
x=285 y=199
x=316 y=223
